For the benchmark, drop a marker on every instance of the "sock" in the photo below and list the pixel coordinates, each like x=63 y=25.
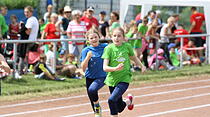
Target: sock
x=96 y=105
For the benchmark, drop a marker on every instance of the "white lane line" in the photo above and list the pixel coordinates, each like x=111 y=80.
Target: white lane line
x=103 y=93
x=102 y=101
x=149 y=103
x=176 y=110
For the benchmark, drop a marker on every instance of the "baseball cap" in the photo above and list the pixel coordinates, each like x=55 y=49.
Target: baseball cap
x=90 y=8
x=103 y=12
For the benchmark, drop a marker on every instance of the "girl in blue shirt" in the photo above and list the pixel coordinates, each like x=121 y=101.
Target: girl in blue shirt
x=92 y=65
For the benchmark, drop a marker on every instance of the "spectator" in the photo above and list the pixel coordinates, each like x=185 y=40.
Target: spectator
x=42 y=71
x=13 y=28
x=142 y=29
x=89 y=19
x=76 y=29
x=151 y=34
x=181 y=31
x=64 y=25
x=48 y=13
x=176 y=19
x=196 y=20
x=161 y=61
x=60 y=14
x=51 y=31
x=164 y=40
x=3 y=25
x=32 y=23
x=173 y=55
x=42 y=26
x=114 y=21
x=103 y=25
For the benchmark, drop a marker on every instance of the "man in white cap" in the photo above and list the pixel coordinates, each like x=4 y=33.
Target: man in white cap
x=89 y=19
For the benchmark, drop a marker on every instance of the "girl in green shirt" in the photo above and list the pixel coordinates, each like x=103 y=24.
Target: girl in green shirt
x=117 y=63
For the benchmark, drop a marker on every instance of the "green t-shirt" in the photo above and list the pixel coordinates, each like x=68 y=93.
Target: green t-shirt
x=117 y=55
x=130 y=35
x=143 y=29
x=3 y=25
x=174 y=59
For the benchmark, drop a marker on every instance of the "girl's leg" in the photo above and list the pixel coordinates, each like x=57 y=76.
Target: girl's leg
x=145 y=55
x=93 y=85
x=116 y=103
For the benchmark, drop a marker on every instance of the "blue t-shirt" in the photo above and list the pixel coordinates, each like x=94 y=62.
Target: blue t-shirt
x=95 y=64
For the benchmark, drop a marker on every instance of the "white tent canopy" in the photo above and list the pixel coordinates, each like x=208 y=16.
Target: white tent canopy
x=147 y=5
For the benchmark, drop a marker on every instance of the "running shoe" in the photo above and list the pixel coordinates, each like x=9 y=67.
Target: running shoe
x=131 y=105
x=97 y=111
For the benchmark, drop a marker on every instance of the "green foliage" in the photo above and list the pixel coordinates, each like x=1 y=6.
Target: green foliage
x=19 y=4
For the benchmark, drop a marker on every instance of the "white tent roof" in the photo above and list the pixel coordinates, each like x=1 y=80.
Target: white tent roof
x=147 y=5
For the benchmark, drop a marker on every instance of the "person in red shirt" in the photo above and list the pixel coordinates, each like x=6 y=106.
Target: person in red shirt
x=181 y=31
x=51 y=31
x=89 y=19
x=196 y=20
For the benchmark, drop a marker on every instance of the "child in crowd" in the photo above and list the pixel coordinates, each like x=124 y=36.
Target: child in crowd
x=136 y=44
x=117 y=63
x=142 y=29
x=13 y=28
x=173 y=55
x=42 y=71
x=92 y=65
x=161 y=61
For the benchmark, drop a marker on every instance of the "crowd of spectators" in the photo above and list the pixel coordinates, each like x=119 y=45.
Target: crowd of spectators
x=154 y=46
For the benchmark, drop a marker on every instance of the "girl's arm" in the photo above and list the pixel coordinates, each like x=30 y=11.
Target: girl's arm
x=84 y=63
x=111 y=69
x=138 y=63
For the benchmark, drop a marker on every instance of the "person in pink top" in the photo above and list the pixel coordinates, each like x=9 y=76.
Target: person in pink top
x=161 y=61
x=76 y=29
x=89 y=19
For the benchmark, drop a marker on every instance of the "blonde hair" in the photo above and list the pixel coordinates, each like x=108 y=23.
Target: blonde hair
x=91 y=31
x=30 y=8
x=119 y=29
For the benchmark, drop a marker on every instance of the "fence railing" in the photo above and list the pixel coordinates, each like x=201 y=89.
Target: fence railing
x=54 y=41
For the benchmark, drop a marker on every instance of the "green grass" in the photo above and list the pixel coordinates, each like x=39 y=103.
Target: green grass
x=29 y=87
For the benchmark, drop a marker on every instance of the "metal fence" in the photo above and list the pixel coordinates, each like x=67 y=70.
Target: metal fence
x=54 y=41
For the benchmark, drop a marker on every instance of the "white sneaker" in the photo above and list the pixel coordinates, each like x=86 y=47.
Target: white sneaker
x=17 y=76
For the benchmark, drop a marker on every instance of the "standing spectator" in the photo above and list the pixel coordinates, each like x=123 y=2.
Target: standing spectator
x=103 y=25
x=60 y=14
x=89 y=19
x=164 y=40
x=48 y=13
x=64 y=25
x=32 y=23
x=3 y=25
x=13 y=28
x=51 y=31
x=196 y=20
x=76 y=29
x=142 y=29
x=176 y=19
x=114 y=21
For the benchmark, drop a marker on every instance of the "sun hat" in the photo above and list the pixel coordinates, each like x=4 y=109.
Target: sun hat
x=67 y=9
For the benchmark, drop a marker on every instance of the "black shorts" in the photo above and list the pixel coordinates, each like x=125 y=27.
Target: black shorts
x=198 y=41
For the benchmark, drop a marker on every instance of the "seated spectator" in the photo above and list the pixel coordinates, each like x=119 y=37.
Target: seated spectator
x=70 y=68
x=181 y=31
x=161 y=61
x=191 y=51
x=42 y=71
x=173 y=55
